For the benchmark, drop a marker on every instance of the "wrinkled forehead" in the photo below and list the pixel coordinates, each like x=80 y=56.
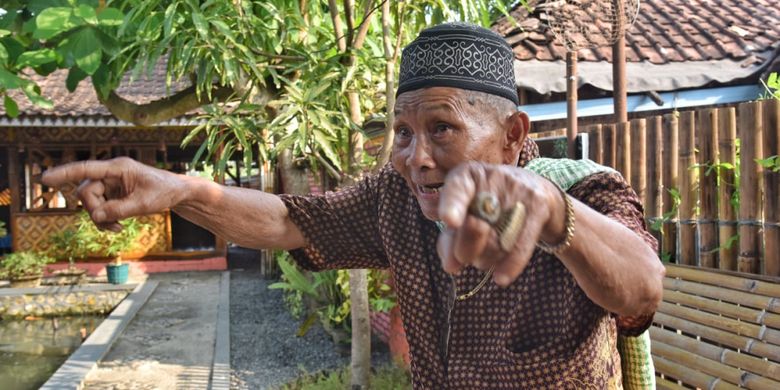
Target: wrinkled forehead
x=446 y=100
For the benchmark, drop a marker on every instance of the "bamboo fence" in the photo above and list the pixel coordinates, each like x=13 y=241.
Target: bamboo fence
x=700 y=177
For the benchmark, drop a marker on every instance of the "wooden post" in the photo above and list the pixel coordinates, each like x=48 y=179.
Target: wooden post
x=596 y=142
x=571 y=104
x=727 y=154
x=708 y=187
x=772 y=189
x=670 y=182
x=638 y=159
x=610 y=151
x=749 y=117
x=688 y=195
x=655 y=149
x=16 y=195
x=623 y=147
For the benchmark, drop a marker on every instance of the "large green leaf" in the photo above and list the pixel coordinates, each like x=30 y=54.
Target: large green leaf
x=53 y=21
x=110 y=17
x=11 y=108
x=4 y=33
x=3 y=55
x=33 y=93
x=87 y=13
x=86 y=50
x=36 y=58
x=200 y=24
x=9 y=80
x=75 y=75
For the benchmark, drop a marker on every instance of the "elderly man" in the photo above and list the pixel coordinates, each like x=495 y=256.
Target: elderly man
x=504 y=279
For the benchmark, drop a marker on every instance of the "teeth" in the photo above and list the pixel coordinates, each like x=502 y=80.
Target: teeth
x=428 y=190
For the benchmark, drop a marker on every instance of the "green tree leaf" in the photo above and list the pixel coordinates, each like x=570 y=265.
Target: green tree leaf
x=86 y=50
x=33 y=93
x=75 y=75
x=87 y=13
x=110 y=17
x=3 y=55
x=200 y=24
x=11 y=108
x=53 y=21
x=36 y=58
x=9 y=80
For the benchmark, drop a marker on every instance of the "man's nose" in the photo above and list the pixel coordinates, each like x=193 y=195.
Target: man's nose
x=421 y=156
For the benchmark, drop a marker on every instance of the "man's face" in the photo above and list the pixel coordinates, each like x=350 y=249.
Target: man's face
x=438 y=128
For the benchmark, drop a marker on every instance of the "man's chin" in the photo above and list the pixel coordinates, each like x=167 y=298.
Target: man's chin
x=431 y=213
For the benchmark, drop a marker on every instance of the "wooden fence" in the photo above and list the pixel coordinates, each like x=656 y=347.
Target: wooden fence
x=699 y=175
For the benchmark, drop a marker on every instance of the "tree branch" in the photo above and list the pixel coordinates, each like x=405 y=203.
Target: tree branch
x=337 y=28
x=163 y=109
x=365 y=24
x=350 y=18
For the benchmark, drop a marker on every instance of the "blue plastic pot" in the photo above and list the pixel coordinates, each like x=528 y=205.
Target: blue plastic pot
x=117 y=274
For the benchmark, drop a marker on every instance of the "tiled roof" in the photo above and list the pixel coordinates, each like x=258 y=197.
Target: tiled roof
x=666 y=31
x=83 y=101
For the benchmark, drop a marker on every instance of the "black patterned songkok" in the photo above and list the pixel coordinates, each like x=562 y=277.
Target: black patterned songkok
x=459 y=55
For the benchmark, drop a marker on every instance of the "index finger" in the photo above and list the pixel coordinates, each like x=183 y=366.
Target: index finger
x=455 y=197
x=76 y=172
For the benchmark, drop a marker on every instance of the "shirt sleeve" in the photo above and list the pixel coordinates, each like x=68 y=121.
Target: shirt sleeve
x=341 y=227
x=609 y=194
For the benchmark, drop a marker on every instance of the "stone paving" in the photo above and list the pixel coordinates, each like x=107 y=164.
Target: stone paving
x=170 y=342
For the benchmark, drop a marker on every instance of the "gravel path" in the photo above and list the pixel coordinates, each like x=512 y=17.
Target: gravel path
x=264 y=350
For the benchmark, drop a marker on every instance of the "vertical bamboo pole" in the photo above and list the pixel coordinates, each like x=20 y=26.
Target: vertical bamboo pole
x=596 y=143
x=571 y=104
x=623 y=148
x=688 y=195
x=749 y=119
x=610 y=145
x=707 y=127
x=655 y=161
x=671 y=181
x=654 y=166
x=638 y=159
x=727 y=154
x=772 y=189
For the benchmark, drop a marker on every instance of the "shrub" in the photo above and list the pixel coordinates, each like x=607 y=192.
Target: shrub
x=20 y=264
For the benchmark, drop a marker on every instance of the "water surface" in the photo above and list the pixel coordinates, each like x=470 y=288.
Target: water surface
x=32 y=350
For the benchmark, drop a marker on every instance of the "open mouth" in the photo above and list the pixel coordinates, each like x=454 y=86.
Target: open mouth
x=429 y=188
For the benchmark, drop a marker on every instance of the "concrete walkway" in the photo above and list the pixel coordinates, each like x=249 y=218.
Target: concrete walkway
x=177 y=340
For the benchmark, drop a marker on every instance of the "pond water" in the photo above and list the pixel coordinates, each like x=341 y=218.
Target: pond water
x=32 y=350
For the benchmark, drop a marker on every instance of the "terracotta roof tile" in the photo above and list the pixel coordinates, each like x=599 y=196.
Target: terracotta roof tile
x=665 y=31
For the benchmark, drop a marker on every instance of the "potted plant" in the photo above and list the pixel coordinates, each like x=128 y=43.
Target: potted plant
x=68 y=245
x=24 y=269
x=110 y=244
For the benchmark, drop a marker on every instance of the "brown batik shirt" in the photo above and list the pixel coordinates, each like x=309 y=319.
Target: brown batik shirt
x=541 y=332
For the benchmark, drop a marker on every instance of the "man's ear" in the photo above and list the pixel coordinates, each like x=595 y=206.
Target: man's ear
x=519 y=125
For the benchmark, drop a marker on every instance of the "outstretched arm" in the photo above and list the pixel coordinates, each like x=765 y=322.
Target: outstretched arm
x=121 y=188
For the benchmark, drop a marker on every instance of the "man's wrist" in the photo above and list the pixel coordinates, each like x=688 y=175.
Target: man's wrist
x=190 y=191
x=554 y=230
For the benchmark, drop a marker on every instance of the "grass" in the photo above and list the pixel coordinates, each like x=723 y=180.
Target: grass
x=385 y=378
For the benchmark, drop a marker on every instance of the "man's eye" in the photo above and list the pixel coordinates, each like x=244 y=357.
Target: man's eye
x=441 y=129
x=403 y=132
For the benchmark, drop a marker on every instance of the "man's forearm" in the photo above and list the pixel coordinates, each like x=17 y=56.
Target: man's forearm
x=614 y=266
x=249 y=218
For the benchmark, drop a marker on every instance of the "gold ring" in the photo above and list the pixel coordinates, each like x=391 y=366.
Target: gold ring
x=507 y=223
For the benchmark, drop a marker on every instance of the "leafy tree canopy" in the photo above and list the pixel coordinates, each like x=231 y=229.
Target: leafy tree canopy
x=289 y=71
